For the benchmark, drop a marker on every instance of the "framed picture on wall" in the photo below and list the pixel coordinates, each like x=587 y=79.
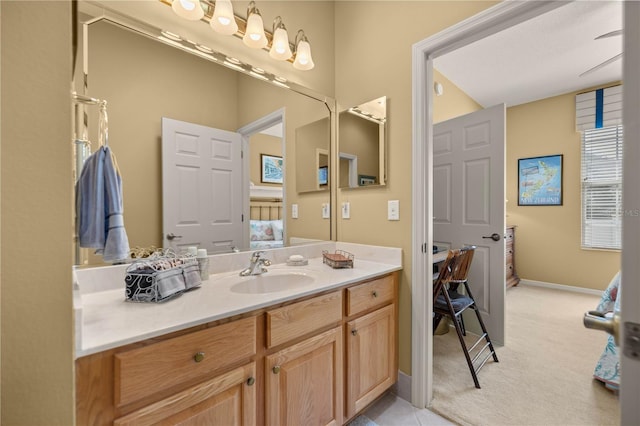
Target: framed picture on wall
x=271 y=168
x=540 y=181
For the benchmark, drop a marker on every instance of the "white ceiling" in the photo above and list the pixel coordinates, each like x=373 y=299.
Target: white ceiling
x=540 y=58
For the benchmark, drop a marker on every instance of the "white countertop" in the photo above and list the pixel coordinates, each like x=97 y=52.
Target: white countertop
x=105 y=320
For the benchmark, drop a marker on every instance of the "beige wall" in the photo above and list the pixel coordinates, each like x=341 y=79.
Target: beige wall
x=371 y=63
x=37 y=319
x=360 y=137
x=548 y=237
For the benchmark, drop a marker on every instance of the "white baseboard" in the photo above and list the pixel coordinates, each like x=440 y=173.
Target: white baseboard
x=563 y=287
x=402 y=388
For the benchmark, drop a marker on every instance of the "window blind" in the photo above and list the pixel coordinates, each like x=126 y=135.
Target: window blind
x=602 y=187
x=599 y=108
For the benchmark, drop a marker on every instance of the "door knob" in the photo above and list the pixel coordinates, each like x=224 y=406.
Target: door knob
x=172 y=237
x=598 y=321
x=494 y=237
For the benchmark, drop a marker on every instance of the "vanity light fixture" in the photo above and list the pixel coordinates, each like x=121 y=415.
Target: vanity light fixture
x=223 y=20
x=254 y=35
x=188 y=9
x=280 y=49
x=303 y=60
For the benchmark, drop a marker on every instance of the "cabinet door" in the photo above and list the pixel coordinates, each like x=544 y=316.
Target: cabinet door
x=371 y=357
x=226 y=400
x=304 y=382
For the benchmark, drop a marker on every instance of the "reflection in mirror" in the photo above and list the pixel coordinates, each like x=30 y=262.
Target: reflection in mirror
x=144 y=80
x=312 y=156
x=361 y=138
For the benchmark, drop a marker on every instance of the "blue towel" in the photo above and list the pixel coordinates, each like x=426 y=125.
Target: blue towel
x=99 y=207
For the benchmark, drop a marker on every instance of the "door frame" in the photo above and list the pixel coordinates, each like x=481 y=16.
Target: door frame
x=246 y=131
x=495 y=19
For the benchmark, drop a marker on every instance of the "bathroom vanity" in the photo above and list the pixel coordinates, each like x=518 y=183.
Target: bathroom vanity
x=318 y=352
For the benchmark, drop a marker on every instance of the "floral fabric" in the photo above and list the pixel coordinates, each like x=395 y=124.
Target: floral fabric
x=608 y=367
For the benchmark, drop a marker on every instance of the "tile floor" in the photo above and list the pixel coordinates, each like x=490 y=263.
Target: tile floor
x=392 y=410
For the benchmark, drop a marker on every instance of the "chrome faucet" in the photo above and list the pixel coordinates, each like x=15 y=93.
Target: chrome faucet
x=257 y=265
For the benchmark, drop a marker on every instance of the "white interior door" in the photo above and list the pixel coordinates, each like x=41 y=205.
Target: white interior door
x=469 y=203
x=630 y=288
x=202 y=197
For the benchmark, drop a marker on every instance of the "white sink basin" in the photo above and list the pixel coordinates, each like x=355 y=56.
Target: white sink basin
x=272 y=282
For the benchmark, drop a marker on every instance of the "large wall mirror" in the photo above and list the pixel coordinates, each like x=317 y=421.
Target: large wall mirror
x=362 y=144
x=157 y=94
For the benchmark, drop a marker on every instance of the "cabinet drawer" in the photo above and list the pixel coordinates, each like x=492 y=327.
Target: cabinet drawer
x=226 y=399
x=368 y=295
x=144 y=371
x=298 y=319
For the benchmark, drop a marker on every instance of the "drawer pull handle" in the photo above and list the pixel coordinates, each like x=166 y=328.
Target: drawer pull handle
x=276 y=369
x=198 y=357
x=374 y=293
x=354 y=332
x=251 y=381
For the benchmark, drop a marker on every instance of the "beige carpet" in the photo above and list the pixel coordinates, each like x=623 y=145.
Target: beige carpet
x=544 y=376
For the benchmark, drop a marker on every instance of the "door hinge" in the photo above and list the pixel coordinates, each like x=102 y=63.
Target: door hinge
x=242 y=218
x=632 y=340
x=424 y=248
x=241 y=154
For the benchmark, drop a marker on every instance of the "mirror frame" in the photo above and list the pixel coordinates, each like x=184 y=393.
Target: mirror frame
x=92 y=12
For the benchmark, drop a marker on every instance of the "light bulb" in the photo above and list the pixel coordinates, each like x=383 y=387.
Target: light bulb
x=255 y=37
x=188 y=9
x=280 y=49
x=223 y=21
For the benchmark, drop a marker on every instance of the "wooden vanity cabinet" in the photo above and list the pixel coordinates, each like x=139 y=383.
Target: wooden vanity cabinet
x=370 y=342
x=316 y=360
x=179 y=379
x=304 y=378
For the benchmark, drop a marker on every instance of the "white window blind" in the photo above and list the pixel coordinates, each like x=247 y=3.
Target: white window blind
x=602 y=187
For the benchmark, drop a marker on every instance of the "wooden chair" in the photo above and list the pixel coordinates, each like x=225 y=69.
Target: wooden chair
x=448 y=302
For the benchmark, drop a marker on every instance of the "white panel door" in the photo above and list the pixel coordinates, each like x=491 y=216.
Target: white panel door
x=201 y=186
x=630 y=283
x=469 y=203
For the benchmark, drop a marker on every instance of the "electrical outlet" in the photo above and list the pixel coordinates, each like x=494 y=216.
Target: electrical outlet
x=346 y=210
x=325 y=211
x=294 y=211
x=393 y=210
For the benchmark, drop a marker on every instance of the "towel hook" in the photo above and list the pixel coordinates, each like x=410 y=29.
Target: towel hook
x=103 y=126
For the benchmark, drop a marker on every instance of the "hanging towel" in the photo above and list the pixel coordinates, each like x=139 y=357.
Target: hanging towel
x=99 y=204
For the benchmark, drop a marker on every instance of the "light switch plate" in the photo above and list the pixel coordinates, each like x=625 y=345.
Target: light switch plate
x=346 y=210
x=294 y=211
x=393 y=210
x=325 y=211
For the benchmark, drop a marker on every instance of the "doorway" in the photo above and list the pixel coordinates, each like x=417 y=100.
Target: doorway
x=491 y=21
x=273 y=125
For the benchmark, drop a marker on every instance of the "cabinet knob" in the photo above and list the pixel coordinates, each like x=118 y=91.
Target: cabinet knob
x=354 y=332
x=276 y=369
x=198 y=357
x=374 y=293
x=251 y=381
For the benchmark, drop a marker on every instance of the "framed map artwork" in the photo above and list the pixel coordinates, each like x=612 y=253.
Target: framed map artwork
x=540 y=181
